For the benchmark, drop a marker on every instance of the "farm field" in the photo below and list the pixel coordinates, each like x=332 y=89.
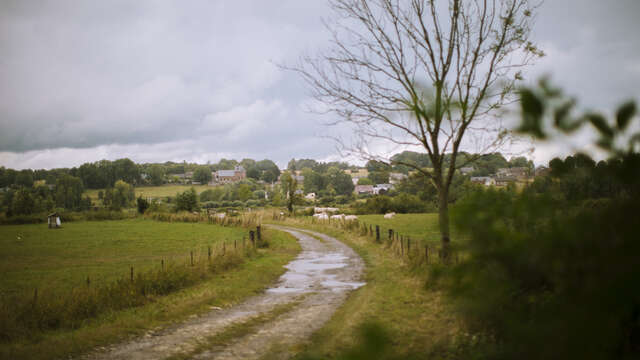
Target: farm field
x=33 y=256
x=417 y=226
x=58 y=262
x=156 y=191
x=422 y=227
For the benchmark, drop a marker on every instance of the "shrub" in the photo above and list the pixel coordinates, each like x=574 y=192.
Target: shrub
x=143 y=205
x=546 y=279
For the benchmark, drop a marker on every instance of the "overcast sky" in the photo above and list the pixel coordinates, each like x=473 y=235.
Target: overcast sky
x=154 y=81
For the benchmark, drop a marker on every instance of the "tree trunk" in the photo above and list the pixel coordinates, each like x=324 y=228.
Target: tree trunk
x=443 y=221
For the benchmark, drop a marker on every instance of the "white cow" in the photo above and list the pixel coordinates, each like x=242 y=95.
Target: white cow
x=337 y=217
x=350 y=218
x=389 y=215
x=321 y=216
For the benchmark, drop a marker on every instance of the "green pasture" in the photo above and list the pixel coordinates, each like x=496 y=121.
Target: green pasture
x=156 y=191
x=34 y=256
x=423 y=227
x=54 y=260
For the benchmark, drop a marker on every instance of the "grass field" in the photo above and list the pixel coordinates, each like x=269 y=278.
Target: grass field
x=423 y=227
x=33 y=256
x=416 y=317
x=55 y=260
x=156 y=191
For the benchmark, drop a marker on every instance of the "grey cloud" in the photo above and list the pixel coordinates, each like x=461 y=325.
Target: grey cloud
x=197 y=80
x=85 y=74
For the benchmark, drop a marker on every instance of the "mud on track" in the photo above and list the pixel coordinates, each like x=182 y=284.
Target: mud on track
x=316 y=284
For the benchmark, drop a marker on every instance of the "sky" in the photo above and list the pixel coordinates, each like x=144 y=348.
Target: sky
x=198 y=81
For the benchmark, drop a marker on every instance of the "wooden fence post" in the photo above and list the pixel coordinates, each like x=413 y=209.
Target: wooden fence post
x=258 y=233
x=408 y=245
x=131 y=273
x=390 y=235
x=209 y=253
x=88 y=281
x=401 y=245
x=252 y=238
x=162 y=264
x=191 y=257
x=377 y=233
x=370 y=230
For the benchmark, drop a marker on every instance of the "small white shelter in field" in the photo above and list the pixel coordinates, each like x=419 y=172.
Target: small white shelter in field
x=53 y=220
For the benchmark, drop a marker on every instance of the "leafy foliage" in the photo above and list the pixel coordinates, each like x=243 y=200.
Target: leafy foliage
x=187 y=200
x=552 y=271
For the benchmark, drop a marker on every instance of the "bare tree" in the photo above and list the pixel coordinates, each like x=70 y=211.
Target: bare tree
x=422 y=73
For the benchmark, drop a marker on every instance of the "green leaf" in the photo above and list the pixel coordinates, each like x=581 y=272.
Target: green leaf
x=561 y=118
x=600 y=123
x=605 y=143
x=624 y=115
x=531 y=104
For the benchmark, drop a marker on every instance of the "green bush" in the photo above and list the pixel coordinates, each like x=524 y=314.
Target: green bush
x=546 y=279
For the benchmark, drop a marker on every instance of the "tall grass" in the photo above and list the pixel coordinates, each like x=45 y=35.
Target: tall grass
x=26 y=315
x=245 y=220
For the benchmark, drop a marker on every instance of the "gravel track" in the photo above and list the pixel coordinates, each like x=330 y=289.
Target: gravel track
x=317 y=282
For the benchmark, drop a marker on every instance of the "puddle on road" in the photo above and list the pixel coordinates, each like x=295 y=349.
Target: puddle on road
x=312 y=272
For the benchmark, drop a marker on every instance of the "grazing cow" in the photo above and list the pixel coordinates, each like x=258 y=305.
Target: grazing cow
x=389 y=215
x=221 y=215
x=338 y=217
x=350 y=218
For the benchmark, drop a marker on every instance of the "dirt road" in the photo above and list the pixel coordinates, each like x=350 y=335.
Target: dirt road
x=315 y=285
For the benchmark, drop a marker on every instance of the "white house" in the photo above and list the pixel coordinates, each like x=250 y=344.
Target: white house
x=381 y=188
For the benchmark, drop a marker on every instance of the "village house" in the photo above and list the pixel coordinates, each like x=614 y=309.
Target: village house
x=230 y=176
x=395 y=177
x=520 y=173
x=382 y=188
x=364 y=189
x=483 y=180
x=505 y=180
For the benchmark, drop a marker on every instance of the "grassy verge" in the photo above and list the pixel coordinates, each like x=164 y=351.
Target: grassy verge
x=223 y=289
x=416 y=317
